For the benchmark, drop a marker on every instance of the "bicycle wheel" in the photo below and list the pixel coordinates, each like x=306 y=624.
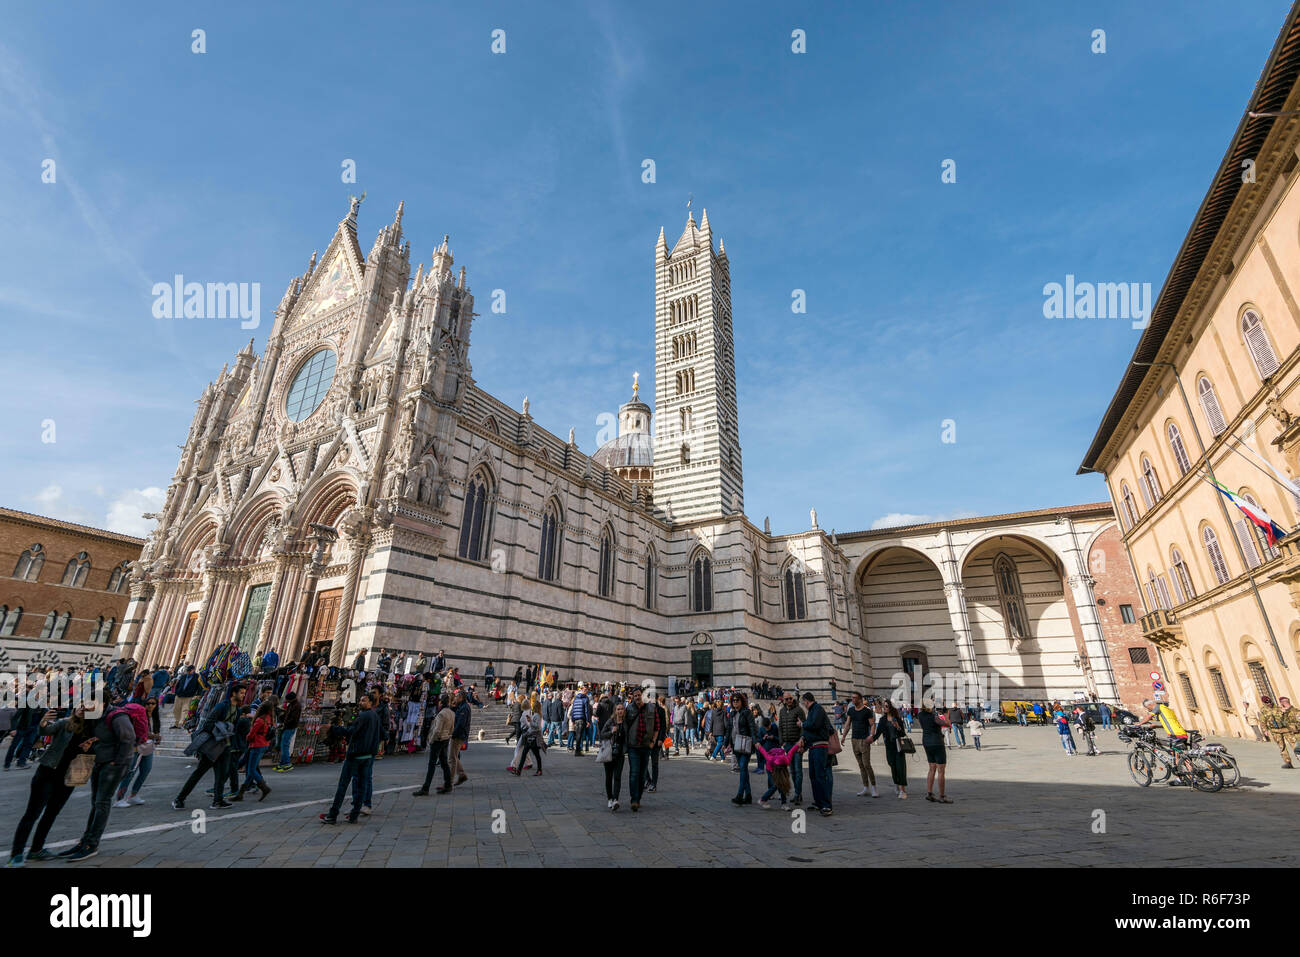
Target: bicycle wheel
x=1201 y=773
x=1227 y=766
x=1139 y=766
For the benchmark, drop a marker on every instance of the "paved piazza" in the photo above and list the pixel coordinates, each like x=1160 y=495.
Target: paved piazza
x=1019 y=802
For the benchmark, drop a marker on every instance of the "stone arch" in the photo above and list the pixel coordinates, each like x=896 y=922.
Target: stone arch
x=902 y=605
x=1014 y=532
x=252 y=521
x=333 y=494
x=200 y=532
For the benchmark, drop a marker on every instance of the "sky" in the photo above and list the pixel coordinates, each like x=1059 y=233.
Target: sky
x=922 y=382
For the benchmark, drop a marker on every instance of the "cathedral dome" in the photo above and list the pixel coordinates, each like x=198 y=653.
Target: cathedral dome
x=632 y=449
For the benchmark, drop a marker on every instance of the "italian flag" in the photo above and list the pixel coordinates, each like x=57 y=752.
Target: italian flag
x=1272 y=531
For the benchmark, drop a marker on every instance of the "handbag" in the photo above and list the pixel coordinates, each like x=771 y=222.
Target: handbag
x=833 y=744
x=146 y=747
x=742 y=744
x=605 y=753
x=905 y=745
x=79 y=770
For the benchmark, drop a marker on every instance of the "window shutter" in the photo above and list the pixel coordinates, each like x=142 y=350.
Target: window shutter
x=1163 y=586
x=1260 y=348
x=1247 y=543
x=1178 y=585
x=1210 y=405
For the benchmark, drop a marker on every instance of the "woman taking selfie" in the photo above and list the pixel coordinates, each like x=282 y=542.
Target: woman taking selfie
x=50 y=790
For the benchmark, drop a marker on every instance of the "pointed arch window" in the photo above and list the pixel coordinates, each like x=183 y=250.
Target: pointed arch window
x=792 y=592
x=651 y=580
x=1130 y=507
x=117 y=580
x=1210 y=405
x=548 y=556
x=607 y=560
x=701 y=582
x=476 y=519
x=9 y=619
x=1215 y=555
x=1179 y=450
x=1259 y=344
x=756 y=583
x=1011 y=598
x=55 y=625
x=29 y=564
x=1181 y=576
x=75 y=572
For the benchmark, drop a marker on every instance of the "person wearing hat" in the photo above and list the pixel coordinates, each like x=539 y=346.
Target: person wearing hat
x=580 y=713
x=1282 y=723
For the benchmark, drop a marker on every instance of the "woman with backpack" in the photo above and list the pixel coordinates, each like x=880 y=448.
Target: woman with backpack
x=259 y=740
x=143 y=759
x=50 y=789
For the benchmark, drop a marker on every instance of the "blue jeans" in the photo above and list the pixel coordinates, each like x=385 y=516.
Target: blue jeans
x=1105 y=719
x=21 y=746
x=143 y=765
x=1023 y=722
x=976 y=739
x=357 y=772
x=771 y=789
x=638 y=765
x=1067 y=742
x=554 y=736
x=820 y=772
x=719 y=745
x=796 y=772
x=103 y=781
x=959 y=734
x=286 y=744
x=254 y=775
x=742 y=789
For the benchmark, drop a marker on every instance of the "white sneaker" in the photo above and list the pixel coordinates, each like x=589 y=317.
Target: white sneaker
x=873 y=792
x=863 y=792
x=610 y=804
x=366 y=811
x=136 y=800
x=122 y=803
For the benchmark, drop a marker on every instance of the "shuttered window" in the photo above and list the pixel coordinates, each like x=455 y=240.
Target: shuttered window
x=1189 y=694
x=1220 y=689
x=1179 y=450
x=1210 y=405
x=1247 y=541
x=1215 y=555
x=1257 y=341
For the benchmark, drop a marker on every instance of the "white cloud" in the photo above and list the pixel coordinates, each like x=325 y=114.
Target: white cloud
x=125 y=512
x=894 y=519
x=52 y=503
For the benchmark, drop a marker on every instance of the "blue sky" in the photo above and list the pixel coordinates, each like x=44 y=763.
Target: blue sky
x=820 y=170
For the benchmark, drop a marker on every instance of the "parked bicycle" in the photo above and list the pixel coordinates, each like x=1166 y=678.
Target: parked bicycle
x=1151 y=757
x=1216 y=754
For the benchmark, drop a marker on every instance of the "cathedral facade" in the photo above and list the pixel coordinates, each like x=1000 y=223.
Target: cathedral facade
x=352 y=488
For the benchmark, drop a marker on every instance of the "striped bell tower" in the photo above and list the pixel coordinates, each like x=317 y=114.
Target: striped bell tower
x=697 y=467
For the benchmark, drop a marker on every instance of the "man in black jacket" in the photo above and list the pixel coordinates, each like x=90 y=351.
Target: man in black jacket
x=789 y=722
x=363 y=744
x=113 y=745
x=817 y=731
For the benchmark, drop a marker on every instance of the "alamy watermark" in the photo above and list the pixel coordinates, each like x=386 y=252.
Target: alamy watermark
x=56 y=694
x=931 y=689
x=214 y=300
x=1098 y=300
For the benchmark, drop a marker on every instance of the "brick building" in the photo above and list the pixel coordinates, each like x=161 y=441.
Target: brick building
x=65 y=591
x=1119 y=608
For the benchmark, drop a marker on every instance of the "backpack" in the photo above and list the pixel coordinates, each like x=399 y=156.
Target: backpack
x=139 y=720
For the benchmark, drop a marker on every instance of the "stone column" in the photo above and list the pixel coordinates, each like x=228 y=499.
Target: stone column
x=134 y=626
x=357 y=547
x=265 y=635
x=1094 y=639
x=315 y=565
x=955 y=593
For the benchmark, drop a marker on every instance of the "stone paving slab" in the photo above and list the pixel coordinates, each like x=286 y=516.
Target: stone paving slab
x=1021 y=801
